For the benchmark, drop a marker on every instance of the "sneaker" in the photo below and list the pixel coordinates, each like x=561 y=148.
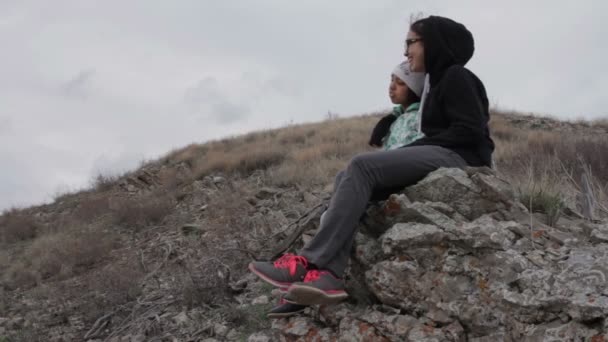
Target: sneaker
x=318 y=287
x=286 y=270
x=285 y=309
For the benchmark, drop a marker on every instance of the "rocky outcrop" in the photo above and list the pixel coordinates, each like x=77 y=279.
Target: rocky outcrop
x=457 y=258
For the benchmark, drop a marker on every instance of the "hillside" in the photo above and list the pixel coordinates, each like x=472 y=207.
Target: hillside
x=161 y=253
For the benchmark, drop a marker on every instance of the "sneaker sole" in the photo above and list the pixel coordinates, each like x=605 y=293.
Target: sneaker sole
x=268 y=280
x=307 y=295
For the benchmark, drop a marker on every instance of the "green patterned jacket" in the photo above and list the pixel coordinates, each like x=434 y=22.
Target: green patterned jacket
x=405 y=129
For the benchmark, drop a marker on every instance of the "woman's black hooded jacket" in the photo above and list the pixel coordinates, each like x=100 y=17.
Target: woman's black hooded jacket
x=455 y=113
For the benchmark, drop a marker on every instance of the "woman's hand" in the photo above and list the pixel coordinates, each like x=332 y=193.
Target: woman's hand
x=381 y=130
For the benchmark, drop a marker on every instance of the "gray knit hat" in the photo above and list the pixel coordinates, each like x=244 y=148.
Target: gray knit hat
x=414 y=80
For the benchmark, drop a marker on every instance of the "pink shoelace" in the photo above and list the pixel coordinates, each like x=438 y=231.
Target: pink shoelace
x=313 y=275
x=291 y=261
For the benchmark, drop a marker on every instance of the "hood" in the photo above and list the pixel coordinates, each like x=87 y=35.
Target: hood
x=446 y=43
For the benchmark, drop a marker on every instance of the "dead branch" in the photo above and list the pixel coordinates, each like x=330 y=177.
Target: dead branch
x=302 y=223
x=588 y=198
x=99 y=325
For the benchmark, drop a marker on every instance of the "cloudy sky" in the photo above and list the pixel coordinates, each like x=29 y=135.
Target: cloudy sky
x=98 y=86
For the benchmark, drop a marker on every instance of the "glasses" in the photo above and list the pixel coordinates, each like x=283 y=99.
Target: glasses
x=411 y=41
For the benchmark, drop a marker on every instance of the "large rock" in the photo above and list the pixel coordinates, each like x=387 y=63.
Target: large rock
x=469 y=196
x=456 y=257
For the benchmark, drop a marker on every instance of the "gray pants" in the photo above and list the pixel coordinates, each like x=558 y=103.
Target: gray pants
x=368 y=174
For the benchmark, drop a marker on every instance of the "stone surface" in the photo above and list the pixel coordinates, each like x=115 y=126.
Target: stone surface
x=261 y=300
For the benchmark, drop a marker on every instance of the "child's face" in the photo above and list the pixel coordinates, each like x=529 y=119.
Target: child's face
x=398 y=90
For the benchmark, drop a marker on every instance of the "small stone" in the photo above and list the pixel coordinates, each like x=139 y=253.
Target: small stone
x=181 y=318
x=299 y=326
x=438 y=315
x=261 y=300
x=258 y=337
x=306 y=238
x=220 y=329
x=138 y=338
x=218 y=180
x=233 y=335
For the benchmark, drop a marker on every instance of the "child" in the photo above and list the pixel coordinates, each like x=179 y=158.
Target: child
x=404 y=91
x=402 y=126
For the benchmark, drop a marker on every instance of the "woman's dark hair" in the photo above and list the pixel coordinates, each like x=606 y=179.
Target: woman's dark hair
x=418 y=27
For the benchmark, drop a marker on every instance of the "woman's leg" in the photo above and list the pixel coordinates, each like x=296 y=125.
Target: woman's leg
x=330 y=248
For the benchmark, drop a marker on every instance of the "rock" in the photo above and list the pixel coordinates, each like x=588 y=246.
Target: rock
x=296 y=326
x=333 y=314
x=485 y=232
x=261 y=300
x=456 y=258
x=367 y=249
x=258 y=337
x=403 y=236
x=302 y=328
x=446 y=210
x=454 y=187
x=239 y=286
x=233 y=335
x=556 y=331
x=380 y=217
x=393 y=326
x=454 y=332
x=397 y=283
x=599 y=233
x=138 y=338
x=499 y=336
x=218 y=180
x=306 y=238
x=181 y=318
x=220 y=329
x=427 y=333
x=355 y=330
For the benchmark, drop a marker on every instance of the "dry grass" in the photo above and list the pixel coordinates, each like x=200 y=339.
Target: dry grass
x=545 y=163
x=17 y=226
x=243 y=162
x=137 y=212
x=93 y=207
x=292 y=154
x=115 y=284
x=603 y=123
x=103 y=182
x=186 y=155
x=60 y=254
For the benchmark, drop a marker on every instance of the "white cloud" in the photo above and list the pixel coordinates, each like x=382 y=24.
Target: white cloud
x=91 y=86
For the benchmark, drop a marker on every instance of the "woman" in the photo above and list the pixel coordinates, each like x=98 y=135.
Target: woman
x=454 y=121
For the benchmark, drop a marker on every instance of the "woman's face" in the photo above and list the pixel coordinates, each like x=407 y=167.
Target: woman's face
x=414 y=52
x=398 y=91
